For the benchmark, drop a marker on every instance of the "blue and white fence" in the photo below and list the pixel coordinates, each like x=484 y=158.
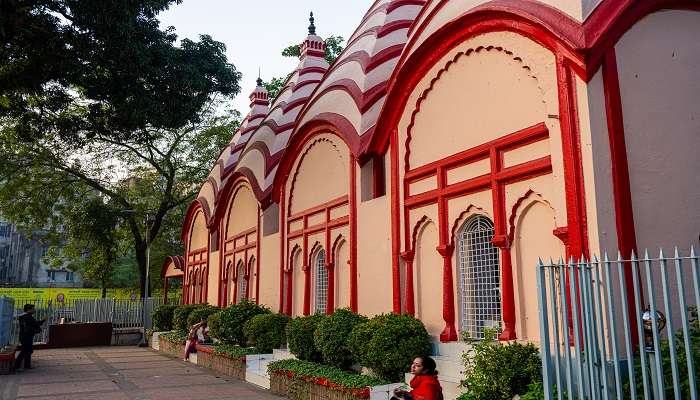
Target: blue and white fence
x=620 y=328
x=7 y=307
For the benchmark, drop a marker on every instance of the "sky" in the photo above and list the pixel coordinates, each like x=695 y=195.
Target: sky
x=255 y=32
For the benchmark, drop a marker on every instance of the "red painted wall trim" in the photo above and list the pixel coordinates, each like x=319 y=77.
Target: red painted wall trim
x=624 y=211
x=353 y=233
x=395 y=223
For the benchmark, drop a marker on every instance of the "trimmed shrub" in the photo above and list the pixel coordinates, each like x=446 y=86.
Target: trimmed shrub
x=331 y=337
x=180 y=315
x=266 y=332
x=163 y=317
x=214 y=323
x=325 y=375
x=300 y=337
x=388 y=344
x=201 y=314
x=232 y=319
x=497 y=371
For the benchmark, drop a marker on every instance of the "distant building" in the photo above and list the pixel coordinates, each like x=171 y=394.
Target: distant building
x=21 y=262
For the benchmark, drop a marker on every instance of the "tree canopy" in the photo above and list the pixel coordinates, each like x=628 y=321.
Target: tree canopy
x=102 y=111
x=77 y=69
x=334 y=46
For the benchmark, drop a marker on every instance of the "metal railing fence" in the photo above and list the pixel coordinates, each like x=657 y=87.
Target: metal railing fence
x=122 y=313
x=622 y=328
x=7 y=307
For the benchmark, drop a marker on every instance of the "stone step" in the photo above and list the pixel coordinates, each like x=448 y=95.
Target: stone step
x=257 y=378
x=449 y=367
x=282 y=354
x=253 y=361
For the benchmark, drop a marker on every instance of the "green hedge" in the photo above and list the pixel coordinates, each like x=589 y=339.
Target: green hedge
x=175 y=336
x=497 y=371
x=266 y=332
x=388 y=344
x=201 y=314
x=180 y=316
x=163 y=317
x=232 y=351
x=300 y=337
x=324 y=375
x=232 y=319
x=332 y=334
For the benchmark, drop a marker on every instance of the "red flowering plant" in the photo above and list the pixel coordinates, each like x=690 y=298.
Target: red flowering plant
x=323 y=375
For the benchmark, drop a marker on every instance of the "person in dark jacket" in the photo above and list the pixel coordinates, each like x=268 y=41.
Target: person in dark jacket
x=28 y=327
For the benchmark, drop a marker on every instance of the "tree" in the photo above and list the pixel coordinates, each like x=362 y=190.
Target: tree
x=94 y=95
x=334 y=46
x=90 y=241
x=86 y=188
x=80 y=69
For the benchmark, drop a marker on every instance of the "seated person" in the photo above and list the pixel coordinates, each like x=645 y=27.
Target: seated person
x=193 y=338
x=425 y=383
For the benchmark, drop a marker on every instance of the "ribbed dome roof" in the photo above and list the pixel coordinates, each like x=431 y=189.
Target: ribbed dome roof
x=356 y=85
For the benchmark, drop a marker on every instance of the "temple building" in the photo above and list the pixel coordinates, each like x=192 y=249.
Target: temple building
x=450 y=146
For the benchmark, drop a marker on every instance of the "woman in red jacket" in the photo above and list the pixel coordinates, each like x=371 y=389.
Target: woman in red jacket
x=425 y=383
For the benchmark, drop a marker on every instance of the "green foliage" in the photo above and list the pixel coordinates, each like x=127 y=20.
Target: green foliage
x=388 y=344
x=77 y=69
x=334 y=46
x=232 y=319
x=180 y=316
x=307 y=369
x=214 y=323
x=201 y=314
x=300 y=337
x=497 y=371
x=535 y=391
x=331 y=337
x=681 y=357
x=176 y=337
x=274 y=87
x=266 y=332
x=163 y=317
x=232 y=351
x=101 y=111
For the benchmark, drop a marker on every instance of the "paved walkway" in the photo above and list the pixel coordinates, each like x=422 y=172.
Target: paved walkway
x=123 y=373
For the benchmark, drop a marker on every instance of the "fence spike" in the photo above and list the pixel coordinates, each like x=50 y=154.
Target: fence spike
x=646 y=255
x=692 y=251
x=634 y=255
x=676 y=253
x=619 y=256
x=661 y=254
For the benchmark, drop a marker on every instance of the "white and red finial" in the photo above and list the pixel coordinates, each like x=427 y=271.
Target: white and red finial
x=313 y=45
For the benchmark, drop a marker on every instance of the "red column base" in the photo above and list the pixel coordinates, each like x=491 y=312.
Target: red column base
x=508 y=333
x=449 y=334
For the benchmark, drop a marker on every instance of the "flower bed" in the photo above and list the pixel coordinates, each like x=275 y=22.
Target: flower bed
x=172 y=344
x=298 y=379
x=7 y=360
x=224 y=359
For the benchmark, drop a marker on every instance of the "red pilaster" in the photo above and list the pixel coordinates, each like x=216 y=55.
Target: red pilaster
x=624 y=213
x=449 y=334
x=283 y=259
x=353 y=233
x=396 y=228
x=410 y=299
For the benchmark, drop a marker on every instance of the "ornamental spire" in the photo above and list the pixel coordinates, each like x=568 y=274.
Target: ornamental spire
x=312 y=27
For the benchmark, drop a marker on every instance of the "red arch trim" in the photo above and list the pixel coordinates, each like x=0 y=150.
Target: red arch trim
x=331 y=123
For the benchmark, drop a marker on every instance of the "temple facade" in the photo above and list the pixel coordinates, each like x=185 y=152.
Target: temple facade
x=449 y=147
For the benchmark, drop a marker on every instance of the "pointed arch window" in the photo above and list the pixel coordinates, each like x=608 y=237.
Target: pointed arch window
x=479 y=277
x=242 y=282
x=321 y=282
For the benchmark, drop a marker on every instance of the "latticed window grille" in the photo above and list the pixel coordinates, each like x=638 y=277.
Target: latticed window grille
x=479 y=278
x=321 y=282
x=242 y=282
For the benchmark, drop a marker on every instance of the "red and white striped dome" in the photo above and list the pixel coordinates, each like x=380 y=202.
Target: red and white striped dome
x=355 y=88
